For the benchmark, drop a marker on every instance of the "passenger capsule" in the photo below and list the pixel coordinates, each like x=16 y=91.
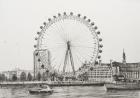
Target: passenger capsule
x=38 y=32
x=45 y=23
x=92 y=23
x=101 y=46
x=100 y=39
x=85 y=17
x=95 y=27
x=49 y=19
x=71 y=13
x=39 y=60
x=64 y=13
x=36 y=38
x=54 y=16
x=98 y=32
x=42 y=66
x=100 y=51
x=79 y=15
x=41 y=27
x=88 y=20
x=36 y=54
x=99 y=57
x=59 y=14
x=35 y=46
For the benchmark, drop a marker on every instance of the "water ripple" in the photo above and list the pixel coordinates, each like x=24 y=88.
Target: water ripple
x=69 y=92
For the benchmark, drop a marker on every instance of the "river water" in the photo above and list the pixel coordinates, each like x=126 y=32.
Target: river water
x=70 y=92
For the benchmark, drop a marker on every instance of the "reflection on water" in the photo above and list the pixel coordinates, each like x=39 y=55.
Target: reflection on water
x=70 y=92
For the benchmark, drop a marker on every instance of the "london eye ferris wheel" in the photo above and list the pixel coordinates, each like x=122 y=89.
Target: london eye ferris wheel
x=71 y=40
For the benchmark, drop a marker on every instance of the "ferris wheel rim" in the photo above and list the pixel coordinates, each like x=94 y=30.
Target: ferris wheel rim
x=71 y=17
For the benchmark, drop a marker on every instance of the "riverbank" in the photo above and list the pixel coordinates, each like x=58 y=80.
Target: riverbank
x=52 y=83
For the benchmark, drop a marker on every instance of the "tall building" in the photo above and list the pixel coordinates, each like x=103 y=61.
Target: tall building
x=41 y=61
x=124 y=57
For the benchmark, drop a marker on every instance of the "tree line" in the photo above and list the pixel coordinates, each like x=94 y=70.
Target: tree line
x=23 y=77
x=39 y=77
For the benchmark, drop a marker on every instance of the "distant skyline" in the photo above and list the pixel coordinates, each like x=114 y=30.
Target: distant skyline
x=117 y=20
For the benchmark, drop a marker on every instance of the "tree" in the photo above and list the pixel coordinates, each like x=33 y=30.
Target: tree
x=0 y=77
x=53 y=76
x=23 y=76
x=39 y=76
x=83 y=76
x=60 y=78
x=47 y=73
x=44 y=76
x=14 y=77
x=29 y=77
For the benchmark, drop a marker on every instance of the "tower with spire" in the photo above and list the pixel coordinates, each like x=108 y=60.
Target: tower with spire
x=124 y=57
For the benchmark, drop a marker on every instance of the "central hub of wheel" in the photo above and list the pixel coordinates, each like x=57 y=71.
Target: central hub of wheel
x=68 y=45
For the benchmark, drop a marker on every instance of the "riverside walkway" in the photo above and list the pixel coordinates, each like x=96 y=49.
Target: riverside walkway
x=52 y=83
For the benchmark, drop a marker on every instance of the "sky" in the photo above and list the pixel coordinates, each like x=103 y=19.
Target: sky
x=117 y=20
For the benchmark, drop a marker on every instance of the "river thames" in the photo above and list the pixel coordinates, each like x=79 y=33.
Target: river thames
x=70 y=92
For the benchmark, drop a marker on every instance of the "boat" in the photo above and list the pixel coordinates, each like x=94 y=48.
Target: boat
x=123 y=86
x=121 y=83
x=41 y=89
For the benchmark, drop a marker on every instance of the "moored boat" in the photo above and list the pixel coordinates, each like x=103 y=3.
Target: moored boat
x=123 y=86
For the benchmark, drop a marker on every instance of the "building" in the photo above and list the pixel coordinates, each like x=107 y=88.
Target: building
x=101 y=73
x=17 y=72
x=130 y=71
x=41 y=61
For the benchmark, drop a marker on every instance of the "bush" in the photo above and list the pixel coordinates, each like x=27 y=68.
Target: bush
x=23 y=76
x=14 y=77
x=29 y=77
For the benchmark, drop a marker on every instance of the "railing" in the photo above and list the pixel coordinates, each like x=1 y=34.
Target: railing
x=55 y=83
